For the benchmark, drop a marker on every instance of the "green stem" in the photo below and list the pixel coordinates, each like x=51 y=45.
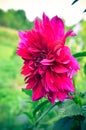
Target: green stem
x=36 y=123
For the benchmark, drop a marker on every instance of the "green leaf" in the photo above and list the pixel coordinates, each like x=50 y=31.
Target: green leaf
x=85 y=68
x=79 y=54
x=43 y=114
x=40 y=106
x=70 y=108
x=28 y=92
x=83 y=125
x=77 y=100
x=46 y=111
x=64 y=124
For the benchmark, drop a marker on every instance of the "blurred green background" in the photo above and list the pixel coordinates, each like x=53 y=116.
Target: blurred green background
x=15 y=105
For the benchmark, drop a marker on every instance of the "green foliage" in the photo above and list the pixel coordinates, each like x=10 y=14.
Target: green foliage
x=85 y=68
x=75 y=114
x=15 y=19
x=64 y=124
x=80 y=54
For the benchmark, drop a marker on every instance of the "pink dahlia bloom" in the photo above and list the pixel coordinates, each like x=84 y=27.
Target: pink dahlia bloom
x=48 y=63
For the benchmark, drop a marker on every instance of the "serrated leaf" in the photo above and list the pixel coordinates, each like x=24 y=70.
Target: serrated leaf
x=64 y=124
x=83 y=125
x=84 y=111
x=70 y=108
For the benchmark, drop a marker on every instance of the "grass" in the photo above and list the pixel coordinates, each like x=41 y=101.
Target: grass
x=10 y=63
x=6 y=51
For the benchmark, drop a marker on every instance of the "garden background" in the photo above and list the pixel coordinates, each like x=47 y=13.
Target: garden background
x=17 y=111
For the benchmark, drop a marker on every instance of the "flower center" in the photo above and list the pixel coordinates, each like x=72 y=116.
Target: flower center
x=37 y=59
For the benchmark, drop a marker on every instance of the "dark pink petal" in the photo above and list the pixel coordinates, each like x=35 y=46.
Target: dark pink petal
x=36 y=24
x=74 y=63
x=52 y=97
x=21 y=35
x=61 y=95
x=58 y=27
x=58 y=68
x=38 y=92
x=58 y=44
x=35 y=40
x=50 y=82
x=47 y=62
x=24 y=36
x=46 y=29
x=46 y=20
x=63 y=83
x=23 y=53
x=42 y=69
x=67 y=84
x=74 y=66
x=69 y=33
x=64 y=55
x=31 y=83
x=25 y=69
x=22 y=45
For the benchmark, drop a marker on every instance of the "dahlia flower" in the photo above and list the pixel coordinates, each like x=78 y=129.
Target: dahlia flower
x=48 y=63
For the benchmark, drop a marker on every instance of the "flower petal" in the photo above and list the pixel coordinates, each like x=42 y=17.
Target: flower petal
x=50 y=82
x=69 y=33
x=46 y=62
x=58 y=27
x=31 y=83
x=46 y=20
x=25 y=69
x=52 y=97
x=64 y=55
x=67 y=84
x=61 y=95
x=36 y=23
x=38 y=92
x=58 y=68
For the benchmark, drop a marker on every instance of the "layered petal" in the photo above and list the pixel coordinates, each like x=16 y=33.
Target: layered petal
x=32 y=82
x=38 y=92
x=48 y=64
x=62 y=95
x=49 y=81
x=58 y=27
x=52 y=97
x=59 y=68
